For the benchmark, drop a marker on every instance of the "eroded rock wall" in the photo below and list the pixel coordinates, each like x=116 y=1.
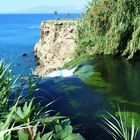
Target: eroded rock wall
x=56 y=45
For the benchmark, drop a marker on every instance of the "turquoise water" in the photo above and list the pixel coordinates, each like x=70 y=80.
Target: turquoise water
x=18 y=35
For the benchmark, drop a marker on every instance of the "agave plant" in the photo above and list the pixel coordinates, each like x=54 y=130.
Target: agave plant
x=118 y=128
x=19 y=119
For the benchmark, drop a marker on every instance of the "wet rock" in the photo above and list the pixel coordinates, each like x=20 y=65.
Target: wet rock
x=25 y=54
x=24 y=78
x=18 y=64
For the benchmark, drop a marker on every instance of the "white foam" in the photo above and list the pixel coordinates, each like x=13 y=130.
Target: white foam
x=32 y=27
x=62 y=73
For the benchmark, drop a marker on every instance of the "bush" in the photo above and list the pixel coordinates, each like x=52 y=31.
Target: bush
x=110 y=27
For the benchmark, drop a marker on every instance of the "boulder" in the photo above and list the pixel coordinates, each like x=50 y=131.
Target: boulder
x=25 y=54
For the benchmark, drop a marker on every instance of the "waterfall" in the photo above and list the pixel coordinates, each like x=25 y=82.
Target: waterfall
x=62 y=73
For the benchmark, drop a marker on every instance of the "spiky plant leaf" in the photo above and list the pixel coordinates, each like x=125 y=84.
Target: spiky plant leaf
x=118 y=127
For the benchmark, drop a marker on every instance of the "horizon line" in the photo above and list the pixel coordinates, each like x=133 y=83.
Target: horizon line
x=44 y=13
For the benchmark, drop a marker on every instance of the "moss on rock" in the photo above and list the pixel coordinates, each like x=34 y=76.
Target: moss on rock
x=77 y=60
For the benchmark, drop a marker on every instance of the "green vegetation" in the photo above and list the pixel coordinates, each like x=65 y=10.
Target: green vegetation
x=71 y=88
x=130 y=115
x=24 y=119
x=77 y=60
x=96 y=81
x=85 y=71
x=7 y=84
x=68 y=88
x=119 y=128
x=74 y=104
x=110 y=27
x=92 y=78
x=122 y=100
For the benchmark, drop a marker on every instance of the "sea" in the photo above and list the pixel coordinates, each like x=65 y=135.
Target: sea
x=18 y=35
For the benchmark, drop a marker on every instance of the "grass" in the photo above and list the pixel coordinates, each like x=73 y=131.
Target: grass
x=77 y=60
x=7 y=84
x=118 y=128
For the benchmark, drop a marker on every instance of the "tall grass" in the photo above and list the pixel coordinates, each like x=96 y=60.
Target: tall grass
x=7 y=84
x=118 y=127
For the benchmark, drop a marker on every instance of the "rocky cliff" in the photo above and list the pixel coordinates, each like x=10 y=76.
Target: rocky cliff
x=56 y=45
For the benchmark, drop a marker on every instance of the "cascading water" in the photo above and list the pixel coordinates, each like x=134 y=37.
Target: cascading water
x=62 y=73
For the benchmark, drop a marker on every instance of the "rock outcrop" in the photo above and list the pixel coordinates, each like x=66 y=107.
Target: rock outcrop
x=56 y=45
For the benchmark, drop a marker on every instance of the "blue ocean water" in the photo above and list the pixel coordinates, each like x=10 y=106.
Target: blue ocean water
x=18 y=35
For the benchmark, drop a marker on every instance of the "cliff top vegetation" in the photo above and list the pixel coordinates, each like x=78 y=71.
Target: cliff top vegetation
x=110 y=27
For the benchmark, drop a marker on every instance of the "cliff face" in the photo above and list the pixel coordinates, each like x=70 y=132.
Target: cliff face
x=56 y=45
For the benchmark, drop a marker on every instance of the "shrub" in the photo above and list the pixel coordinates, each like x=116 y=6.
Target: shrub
x=110 y=27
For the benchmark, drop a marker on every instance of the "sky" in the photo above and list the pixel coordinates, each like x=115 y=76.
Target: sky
x=42 y=6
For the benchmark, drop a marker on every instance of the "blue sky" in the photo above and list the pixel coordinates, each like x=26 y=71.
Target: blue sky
x=42 y=6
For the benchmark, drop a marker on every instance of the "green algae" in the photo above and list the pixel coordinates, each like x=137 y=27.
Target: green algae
x=70 y=88
x=87 y=74
x=85 y=71
x=66 y=89
x=78 y=115
x=96 y=81
x=121 y=100
x=92 y=78
x=77 y=60
x=74 y=104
